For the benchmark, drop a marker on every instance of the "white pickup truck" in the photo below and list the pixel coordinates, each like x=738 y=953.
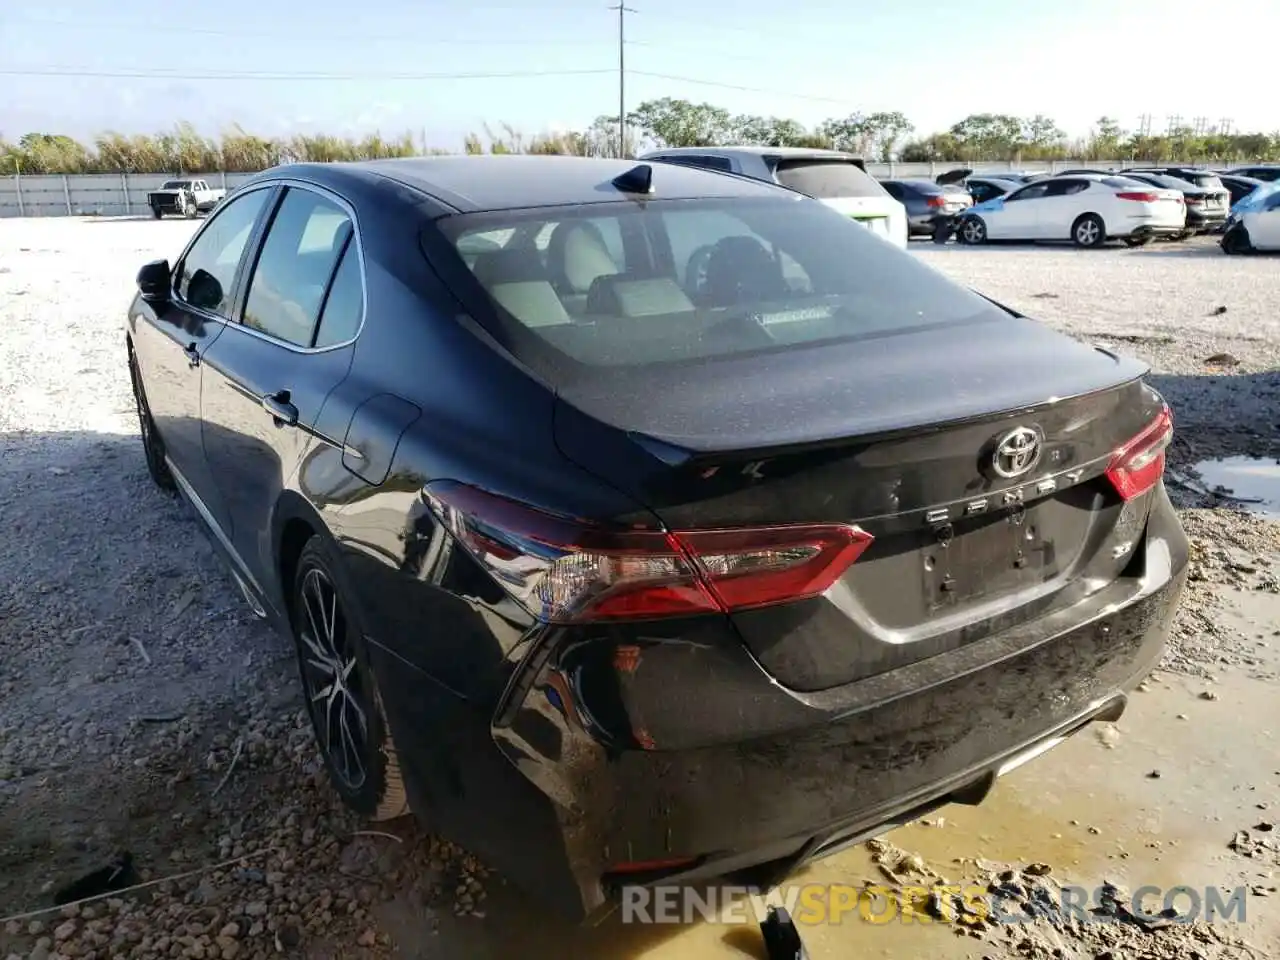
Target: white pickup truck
x=187 y=197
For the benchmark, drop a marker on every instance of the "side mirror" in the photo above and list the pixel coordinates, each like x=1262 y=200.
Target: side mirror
x=155 y=281
x=204 y=290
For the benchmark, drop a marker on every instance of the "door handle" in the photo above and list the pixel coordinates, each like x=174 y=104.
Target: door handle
x=193 y=354
x=284 y=413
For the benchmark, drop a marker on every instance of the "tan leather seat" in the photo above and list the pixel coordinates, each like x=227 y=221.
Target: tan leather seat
x=576 y=257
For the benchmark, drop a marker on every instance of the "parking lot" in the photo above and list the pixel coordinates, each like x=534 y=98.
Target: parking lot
x=145 y=710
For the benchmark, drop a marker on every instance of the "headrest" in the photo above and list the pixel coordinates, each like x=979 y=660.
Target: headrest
x=740 y=269
x=533 y=302
x=581 y=253
x=509 y=266
x=621 y=295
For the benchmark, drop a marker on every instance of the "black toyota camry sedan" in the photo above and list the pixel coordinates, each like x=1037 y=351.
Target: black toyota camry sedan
x=643 y=524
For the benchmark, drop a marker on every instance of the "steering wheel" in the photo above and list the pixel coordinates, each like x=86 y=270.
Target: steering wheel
x=695 y=272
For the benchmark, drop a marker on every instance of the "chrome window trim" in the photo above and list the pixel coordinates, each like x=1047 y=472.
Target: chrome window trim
x=237 y=324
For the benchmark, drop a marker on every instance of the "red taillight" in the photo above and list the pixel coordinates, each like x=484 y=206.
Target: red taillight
x=1139 y=197
x=565 y=570
x=936 y=201
x=1194 y=200
x=1139 y=464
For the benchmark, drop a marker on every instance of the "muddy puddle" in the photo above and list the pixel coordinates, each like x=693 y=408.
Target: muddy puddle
x=1253 y=482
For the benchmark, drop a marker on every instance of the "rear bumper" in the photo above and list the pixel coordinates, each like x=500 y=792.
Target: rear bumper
x=673 y=748
x=926 y=224
x=1157 y=230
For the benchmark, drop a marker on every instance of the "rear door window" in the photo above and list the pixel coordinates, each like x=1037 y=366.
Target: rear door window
x=1033 y=192
x=1064 y=188
x=306 y=237
x=827 y=178
x=344 y=303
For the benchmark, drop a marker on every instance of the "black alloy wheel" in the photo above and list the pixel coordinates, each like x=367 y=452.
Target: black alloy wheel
x=341 y=693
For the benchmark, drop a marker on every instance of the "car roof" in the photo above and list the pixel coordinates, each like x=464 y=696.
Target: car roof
x=471 y=184
x=753 y=150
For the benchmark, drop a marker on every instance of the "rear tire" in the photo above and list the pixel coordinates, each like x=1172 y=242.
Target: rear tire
x=341 y=692
x=1236 y=241
x=972 y=231
x=157 y=212
x=152 y=444
x=1089 y=231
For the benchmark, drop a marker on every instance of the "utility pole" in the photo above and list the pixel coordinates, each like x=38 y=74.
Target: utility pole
x=623 y=10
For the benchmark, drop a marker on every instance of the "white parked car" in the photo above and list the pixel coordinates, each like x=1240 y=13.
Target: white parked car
x=838 y=179
x=1254 y=223
x=1088 y=209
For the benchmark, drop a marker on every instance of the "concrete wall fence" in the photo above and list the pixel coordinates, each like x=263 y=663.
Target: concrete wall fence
x=125 y=194
x=99 y=194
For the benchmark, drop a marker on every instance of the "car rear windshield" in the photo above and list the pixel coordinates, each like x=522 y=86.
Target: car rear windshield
x=1165 y=181
x=1124 y=183
x=175 y=184
x=576 y=290
x=827 y=178
x=1206 y=181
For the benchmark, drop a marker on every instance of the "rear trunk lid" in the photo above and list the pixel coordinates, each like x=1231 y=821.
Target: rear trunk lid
x=907 y=435
x=843 y=184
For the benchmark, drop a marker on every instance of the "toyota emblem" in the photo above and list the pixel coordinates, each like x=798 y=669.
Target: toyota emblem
x=1016 y=452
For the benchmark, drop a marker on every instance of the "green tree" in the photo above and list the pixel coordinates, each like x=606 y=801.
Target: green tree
x=767 y=131
x=1104 y=142
x=679 y=123
x=988 y=136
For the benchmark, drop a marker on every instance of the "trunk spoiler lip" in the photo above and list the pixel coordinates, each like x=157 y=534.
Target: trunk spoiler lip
x=953 y=176
x=675 y=455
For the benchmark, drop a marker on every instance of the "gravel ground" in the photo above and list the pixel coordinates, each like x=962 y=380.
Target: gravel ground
x=145 y=710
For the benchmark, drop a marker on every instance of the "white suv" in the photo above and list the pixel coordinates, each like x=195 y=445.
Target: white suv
x=839 y=180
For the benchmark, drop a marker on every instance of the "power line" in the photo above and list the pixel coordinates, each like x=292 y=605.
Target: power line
x=70 y=71
x=733 y=86
x=732 y=28
x=332 y=33
x=163 y=75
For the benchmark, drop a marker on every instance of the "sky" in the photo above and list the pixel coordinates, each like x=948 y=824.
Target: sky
x=441 y=68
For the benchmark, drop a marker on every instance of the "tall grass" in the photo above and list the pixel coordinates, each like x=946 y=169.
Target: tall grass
x=185 y=150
